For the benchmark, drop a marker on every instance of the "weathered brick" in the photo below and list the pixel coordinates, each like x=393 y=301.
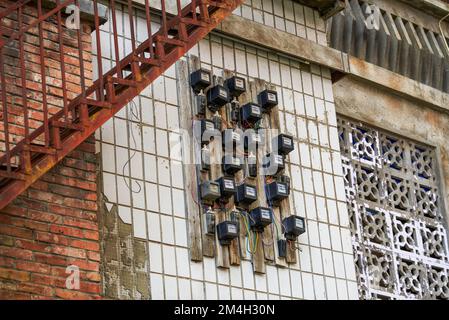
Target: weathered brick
x=32 y=266
x=83 y=244
x=74 y=295
x=68 y=231
x=16 y=232
x=12 y=274
x=53 y=224
x=16 y=253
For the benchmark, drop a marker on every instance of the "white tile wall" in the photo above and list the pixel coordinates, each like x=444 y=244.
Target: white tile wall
x=154 y=200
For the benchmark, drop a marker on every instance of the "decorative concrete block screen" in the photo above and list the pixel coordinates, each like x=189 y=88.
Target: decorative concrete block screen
x=396 y=214
x=146 y=234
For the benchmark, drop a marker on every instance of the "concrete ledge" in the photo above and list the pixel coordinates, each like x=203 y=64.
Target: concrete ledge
x=402 y=86
x=273 y=39
x=289 y=44
x=434 y=7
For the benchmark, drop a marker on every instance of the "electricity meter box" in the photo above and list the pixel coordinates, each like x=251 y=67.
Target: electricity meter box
x=282 y=248
x=217 y=97
x=283 y=144
x=231 y=137
x=245 y=194
x=207 y=130
x=201 y=104
x=236 y=86
x=231 y=164
x=260 y=218
x=227 y=231
x=294 y=226
x=268 y=99
x=200 y=80
x=210 y=191
x=277 y=191
x=205 y=159
x=251 y=113
x=209 y=222
x=274 y=163
x=227 y=187
x=252 y=166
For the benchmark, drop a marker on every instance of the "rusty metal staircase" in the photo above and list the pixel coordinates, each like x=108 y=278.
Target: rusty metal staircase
x=30 y=150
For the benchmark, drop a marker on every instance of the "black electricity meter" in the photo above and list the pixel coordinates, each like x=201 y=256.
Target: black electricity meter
x=232 y=164
x=200 y=80
x=274 y=163
x=217 y=97
x=283 y=144
x=251 y=113
x=277 y=191
x=236 y=86
x=293 y=226
x=210 y=191
x=227 y=187
x=260 y=218
x=245 y=194
x=268 y=99
x=227 y=231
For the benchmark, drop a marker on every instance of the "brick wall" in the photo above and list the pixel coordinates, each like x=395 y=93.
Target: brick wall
x=54 y=223
x=51 y=226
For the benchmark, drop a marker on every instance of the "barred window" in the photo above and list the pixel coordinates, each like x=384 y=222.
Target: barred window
x=396 y=214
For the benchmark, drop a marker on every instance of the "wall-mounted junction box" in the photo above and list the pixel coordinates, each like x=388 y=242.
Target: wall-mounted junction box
x=252 y=140
x=207 y=129
x=282 y=248
x=231 y=137
x=205 y=159
x=274 y=163
x=293 y=226
x=201 y=104
x=227 y=231
x=252 y=165
x=245 y=194
x=268 y=99
x=209 y=222
x=260 y=218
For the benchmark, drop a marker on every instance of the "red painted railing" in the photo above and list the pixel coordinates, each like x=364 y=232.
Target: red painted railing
x=48 y=102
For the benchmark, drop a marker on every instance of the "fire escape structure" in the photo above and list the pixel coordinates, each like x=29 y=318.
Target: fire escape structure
x=25 y=158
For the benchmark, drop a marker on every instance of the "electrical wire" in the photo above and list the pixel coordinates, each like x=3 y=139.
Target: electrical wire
x=133 y=114
x=252 y=238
